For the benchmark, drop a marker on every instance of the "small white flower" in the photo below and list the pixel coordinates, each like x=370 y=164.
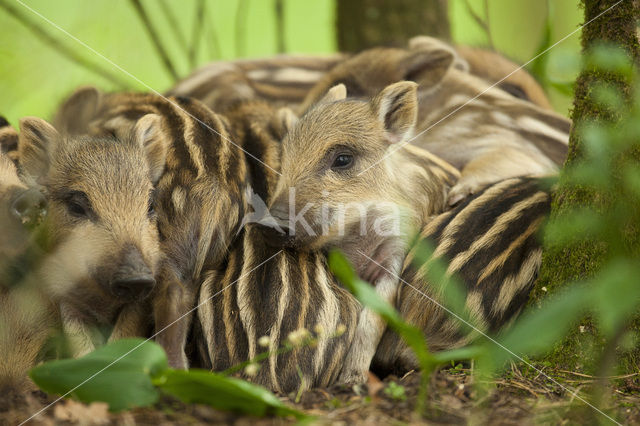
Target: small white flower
x=298 y=337
x=251 y=369
x=264 y=341
x=583 y=329
x=319 y=330
x=544 y=289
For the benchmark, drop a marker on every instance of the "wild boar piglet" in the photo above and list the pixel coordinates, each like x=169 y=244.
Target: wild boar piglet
x=347 y=182
x=101 y=224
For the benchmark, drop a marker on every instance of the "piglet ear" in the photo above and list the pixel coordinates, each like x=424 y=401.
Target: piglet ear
x=285 y=120
x=397 y=109
x=336 y=93
x=36 y=142
x=429 y=60
x=150 y=135
x=78 y=110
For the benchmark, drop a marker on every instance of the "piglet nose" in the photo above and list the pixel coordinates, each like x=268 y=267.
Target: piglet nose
x=128 y=288
x=29 y=206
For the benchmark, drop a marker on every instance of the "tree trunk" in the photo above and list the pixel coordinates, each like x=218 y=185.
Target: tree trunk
x=362 y=24
x=583 y=258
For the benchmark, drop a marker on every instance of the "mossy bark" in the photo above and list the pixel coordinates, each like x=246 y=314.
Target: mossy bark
x=582 y=259
x=362 y=24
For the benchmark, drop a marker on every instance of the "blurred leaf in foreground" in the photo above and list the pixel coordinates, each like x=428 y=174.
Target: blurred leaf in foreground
x=132 y=372
x=119 y=374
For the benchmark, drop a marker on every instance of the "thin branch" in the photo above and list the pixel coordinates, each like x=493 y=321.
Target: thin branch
x=26 y=19
x=487 y=21
x=213 y=42
x=482 y=23
x=196 y=35
x=144 y=17
x=280 y=32
x=173 y=25
x=241 y=27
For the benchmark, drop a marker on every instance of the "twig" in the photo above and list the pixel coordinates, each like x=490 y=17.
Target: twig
x=173 y=24
x=280 y=32
x=589 y=376
x=26 y=20
x=144 y=17
x=482 y=23
x=487 y=21
x=196 y=35
x=241 y=26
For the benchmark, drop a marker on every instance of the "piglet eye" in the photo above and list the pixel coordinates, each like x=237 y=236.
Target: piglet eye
x=76 y=209
x=78 y=204
x=342 y=161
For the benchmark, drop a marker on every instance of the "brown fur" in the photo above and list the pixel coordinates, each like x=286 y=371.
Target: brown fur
x=493 y=137
x=199 y=197
x=383 y=186
x=262 y=291
x=26 y=317
x=493 y=67
x=491 y=244
x=282 y=80
x=98 y=222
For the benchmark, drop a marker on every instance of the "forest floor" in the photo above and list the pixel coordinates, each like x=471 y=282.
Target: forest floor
x=519 y=397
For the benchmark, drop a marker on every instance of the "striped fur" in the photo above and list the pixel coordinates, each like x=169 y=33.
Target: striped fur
x=368 y=207
x=286 y=79
x=491 y=243
x=261 y=290
x=488 y=138
x=282 y=80
x=264 y=291
x=199 y=198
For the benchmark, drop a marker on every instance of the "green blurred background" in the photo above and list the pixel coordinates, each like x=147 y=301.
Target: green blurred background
x=34 y=78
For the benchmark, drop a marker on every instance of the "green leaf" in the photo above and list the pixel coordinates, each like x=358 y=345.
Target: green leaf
x=119 y=374
x=608 y=96
x=537 y=330
x=610 y=58
x=615 y=294
x=224 y=393
x=367 y=295
x=576 y=225
x=450 y=287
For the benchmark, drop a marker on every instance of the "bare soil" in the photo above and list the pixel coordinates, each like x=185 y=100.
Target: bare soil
x=454 y=397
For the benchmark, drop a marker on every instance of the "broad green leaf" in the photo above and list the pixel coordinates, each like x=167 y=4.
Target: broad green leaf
x=119 y=374
x=224 y=393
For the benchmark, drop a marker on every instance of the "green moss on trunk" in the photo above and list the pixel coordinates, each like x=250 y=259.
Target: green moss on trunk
x=583 y=257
